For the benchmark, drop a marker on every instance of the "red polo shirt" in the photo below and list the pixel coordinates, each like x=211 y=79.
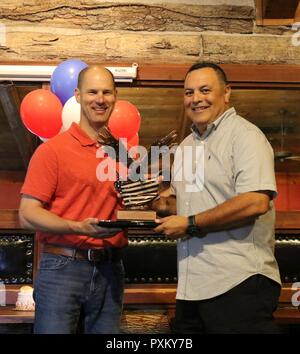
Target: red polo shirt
x=62 y=174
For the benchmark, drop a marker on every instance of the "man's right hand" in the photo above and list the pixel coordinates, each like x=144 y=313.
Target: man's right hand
x=90 y=227
x=34 y=216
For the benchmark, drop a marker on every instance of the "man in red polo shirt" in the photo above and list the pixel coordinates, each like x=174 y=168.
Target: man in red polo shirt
x=81 y=272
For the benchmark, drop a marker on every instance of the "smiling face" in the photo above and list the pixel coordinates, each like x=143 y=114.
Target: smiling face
x=97 y=97
x=206 y=97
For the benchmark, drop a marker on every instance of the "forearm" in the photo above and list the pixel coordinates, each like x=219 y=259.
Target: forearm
x=237 y=211
x=39 y=219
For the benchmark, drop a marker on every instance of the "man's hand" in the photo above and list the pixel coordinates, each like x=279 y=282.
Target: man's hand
x=165 y=205
x=174 y=226
x=34 y=216
x=90 y=227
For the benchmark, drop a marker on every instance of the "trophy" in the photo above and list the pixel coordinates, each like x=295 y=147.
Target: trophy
x=138 y=193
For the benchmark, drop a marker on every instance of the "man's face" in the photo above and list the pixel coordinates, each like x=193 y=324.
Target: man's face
x=205 y=97
x=97 y=97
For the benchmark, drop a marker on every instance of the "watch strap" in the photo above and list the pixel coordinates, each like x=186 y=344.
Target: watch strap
x=192 y=220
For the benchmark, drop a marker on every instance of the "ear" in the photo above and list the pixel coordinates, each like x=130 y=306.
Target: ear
x=227 y=93
x=77 y=95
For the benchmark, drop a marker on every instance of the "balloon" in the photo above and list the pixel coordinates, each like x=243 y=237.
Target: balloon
x=65 y=77
x=125 y=120
x=40 y=111
x=132 y=145
x=70 y=113
x=134 y=141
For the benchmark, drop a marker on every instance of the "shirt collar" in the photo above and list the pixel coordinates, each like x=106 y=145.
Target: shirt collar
x=212 y=126
x=80 y=135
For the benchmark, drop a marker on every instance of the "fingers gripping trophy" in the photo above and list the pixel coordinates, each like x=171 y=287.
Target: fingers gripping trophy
x=143 y=180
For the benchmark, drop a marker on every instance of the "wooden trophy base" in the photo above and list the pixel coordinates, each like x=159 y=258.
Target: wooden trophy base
x=132 y=214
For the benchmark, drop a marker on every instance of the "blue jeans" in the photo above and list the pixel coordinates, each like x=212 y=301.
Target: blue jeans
x=68 y=289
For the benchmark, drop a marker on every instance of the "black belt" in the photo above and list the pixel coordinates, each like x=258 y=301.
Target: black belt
x=108 y=254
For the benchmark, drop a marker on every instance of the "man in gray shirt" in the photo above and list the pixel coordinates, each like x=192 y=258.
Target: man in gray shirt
x=224 y=183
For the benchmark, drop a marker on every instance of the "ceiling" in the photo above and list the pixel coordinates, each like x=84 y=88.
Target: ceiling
x=161 y=107
x=275 y=111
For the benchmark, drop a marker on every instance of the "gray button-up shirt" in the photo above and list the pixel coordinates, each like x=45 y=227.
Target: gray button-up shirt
x=232 y=157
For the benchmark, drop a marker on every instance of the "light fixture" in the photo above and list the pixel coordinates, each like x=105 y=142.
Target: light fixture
x=44 y=72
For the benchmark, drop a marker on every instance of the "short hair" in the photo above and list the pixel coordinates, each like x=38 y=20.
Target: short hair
x=205 y=64
x=85 y=70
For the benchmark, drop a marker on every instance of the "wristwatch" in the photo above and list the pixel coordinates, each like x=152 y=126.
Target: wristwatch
x=192 y=228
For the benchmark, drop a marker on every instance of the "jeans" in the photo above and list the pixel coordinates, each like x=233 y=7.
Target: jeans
x=67 y=290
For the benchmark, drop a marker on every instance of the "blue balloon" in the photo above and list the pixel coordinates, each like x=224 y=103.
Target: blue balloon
x=64 y=78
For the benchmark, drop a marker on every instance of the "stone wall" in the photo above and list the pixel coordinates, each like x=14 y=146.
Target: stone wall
x=173 y=31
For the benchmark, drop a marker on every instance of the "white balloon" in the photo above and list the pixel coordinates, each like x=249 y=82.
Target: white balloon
x=70 y=113
x=43 y=139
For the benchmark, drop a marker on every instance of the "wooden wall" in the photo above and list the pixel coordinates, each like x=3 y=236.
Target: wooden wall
x=267 y=95
x=173 y=31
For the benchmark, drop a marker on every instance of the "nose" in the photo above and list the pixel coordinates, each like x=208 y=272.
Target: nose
x=197 y=97
x=100 y=97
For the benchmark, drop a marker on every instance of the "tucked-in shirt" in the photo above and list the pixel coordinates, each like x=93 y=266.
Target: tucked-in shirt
x=63 y=175
x=230 y=158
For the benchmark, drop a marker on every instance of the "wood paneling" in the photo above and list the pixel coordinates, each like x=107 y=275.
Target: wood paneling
x=160 y=72
x=288 y=220
x=236 y=73
x=11 y=176
x=160 y=108
x=16 y=142
x=288 y=186
x=276 y=12
x=275 y=111
x=9 y=219
x=10 y=103
x=297 y=13
x=142 y=296
x=284 y=220
x=273 y=98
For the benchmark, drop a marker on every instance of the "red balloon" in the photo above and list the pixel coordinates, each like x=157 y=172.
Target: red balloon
x=134 y=141
x=132 y=145
x=40 y=111
x=125 y=120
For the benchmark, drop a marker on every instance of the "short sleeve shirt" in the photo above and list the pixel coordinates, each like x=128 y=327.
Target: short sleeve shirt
x=63 y=175
x=232 y=157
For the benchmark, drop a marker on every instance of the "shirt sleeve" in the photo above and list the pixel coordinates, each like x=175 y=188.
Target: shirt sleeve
x=253 y=163
x=41 y=177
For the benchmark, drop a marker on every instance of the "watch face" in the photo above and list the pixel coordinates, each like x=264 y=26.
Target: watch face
x=192 y=230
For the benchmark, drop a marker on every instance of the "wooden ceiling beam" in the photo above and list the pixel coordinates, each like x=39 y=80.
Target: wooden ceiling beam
x=10 y=101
